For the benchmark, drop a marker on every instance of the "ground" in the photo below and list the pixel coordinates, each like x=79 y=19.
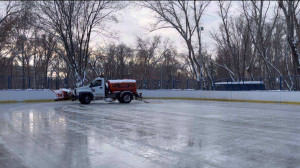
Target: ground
x=161 y=133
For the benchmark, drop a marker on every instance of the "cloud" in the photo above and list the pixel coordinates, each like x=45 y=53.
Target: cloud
x=135 y=22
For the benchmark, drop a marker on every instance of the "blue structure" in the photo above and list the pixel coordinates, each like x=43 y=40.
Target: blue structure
x=237 y=86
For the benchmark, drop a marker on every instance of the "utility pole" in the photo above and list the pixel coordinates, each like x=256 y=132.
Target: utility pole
x=200 y=29
x=161 y=78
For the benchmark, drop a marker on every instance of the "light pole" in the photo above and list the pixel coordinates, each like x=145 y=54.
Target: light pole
x=200 y=54
x=161 y=78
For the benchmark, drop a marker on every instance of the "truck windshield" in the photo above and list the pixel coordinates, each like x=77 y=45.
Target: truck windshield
x=97 y=83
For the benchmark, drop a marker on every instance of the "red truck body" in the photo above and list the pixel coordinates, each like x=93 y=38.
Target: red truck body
x=122 y=85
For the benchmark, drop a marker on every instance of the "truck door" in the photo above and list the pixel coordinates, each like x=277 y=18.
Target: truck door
x=98 y=88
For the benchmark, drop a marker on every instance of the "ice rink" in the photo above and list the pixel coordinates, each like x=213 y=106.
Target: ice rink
x=161 y=133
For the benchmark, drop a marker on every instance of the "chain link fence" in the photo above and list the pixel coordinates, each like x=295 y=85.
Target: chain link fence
x=268 y=83
x=16 y=82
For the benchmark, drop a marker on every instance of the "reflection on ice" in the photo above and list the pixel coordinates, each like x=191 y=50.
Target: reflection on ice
x=162 y=134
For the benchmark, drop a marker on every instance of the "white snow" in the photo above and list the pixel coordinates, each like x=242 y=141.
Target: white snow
x=240 y=82
x=57 y=91
x=123 y=81
x=108 y=100
x=66 y=90
x=60 y=91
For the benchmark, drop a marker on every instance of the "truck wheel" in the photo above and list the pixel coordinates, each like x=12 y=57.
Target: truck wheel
x=126 y=98
x=85 y=99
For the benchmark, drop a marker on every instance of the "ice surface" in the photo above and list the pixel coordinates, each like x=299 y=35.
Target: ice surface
x=162 y=133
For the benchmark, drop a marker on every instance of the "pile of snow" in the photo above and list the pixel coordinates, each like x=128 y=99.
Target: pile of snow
x=66 y=90
x=122 y=81
x=62 y=94
x=108 y=100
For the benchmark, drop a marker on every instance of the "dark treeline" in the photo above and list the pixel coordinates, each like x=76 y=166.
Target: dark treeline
x=54 y=39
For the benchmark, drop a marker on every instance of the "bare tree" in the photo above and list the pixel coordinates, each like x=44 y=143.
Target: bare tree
x=117 y=58
x=11 y=8
x=22 y=39
x=148 y=54
x=7 y=23
x=43 y=51
x=73 y=22
x=291 y=10
x=261 y=31
x=97 y=63
x=184 y=17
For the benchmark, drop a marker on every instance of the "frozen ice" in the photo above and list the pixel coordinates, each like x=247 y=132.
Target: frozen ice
x=161 y=133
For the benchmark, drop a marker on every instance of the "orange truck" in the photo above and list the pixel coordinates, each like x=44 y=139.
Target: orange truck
x=123 y=90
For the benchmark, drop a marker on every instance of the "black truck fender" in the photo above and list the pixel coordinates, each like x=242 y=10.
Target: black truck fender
x=89 y=93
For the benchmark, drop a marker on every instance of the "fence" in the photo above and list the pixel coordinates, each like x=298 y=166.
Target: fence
x=270 y=83
x=16 y=82
x=168 y=84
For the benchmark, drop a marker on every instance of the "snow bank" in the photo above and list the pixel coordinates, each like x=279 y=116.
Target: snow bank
x=269 y=96
x=26 y=95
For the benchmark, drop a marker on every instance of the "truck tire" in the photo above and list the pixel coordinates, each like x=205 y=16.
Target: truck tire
x=85 y=99
x=126 y=98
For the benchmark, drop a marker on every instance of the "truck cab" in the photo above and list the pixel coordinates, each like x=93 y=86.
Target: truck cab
x=97 y=87
x=122 y=90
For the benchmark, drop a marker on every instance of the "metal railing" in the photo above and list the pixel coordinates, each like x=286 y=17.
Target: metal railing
x=270 y=83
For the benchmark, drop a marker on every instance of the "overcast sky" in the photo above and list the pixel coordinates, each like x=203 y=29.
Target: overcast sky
x=135 y=20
